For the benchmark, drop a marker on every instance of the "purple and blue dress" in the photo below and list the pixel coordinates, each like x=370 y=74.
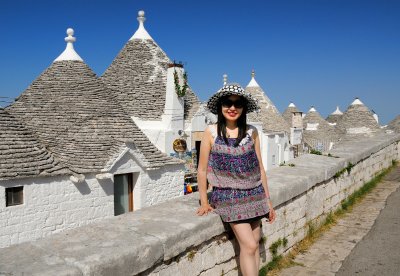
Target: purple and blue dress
x=234 y=173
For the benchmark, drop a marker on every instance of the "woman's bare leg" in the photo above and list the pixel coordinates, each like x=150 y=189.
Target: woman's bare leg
x=256 y=226
x=248 y=248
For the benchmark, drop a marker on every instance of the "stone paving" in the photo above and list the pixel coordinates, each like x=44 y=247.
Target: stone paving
x=326 y=255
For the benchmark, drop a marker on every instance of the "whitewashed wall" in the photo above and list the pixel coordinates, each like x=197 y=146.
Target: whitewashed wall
x=54 y=204
x=275 y=150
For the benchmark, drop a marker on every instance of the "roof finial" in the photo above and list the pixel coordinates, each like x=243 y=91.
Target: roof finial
x=253 y=82
x=141 y=32
x=225 y=79
x=357 y=102
x=337 y=111
x=312 y=109
x=70 y=38
x=69 y=52
x=141 y=17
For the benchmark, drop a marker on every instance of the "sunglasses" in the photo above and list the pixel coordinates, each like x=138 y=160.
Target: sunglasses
x=228 y=103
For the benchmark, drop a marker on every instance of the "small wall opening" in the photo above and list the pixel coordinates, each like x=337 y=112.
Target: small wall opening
x=14 y=196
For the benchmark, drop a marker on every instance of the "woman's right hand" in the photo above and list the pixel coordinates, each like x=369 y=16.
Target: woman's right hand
x=204 y=209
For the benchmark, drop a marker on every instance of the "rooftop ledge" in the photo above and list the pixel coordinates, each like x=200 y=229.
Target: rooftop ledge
x=131 y=243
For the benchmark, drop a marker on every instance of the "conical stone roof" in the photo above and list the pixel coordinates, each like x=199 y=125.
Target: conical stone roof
x=357 y=119
x=335 y=116
x=317 y=130
x=138 y=78
x=73 y=114
x=268 y=115
x=288 y=113
x=21 y=154
x=395 y=124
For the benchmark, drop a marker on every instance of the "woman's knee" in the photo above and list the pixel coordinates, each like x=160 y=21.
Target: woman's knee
x=250 y=247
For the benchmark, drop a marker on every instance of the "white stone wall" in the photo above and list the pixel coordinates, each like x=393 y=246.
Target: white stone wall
x=52 y=204
x=275 y=150
x=163 y=184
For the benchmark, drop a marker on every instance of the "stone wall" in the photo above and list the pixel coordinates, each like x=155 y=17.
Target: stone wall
x=52 y=204
x=55 y=204
x=169 y=239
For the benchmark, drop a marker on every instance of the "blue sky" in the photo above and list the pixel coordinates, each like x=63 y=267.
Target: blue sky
x=317 y=52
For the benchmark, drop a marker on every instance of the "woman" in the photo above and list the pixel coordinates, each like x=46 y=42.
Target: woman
x=230 y=159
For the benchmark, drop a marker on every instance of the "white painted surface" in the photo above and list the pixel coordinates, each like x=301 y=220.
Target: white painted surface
x=69 y=52
x=337 y=111
x=141 y=32
x=358 y=130
x=357 y=101
x=253 y=83
x=312 y=126
x=54 y=204
x=376 y=117
x=291 y=105
x=312 y=109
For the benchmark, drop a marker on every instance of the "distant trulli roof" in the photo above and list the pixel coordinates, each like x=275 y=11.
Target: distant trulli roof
x=21 y=154
x=316 y=129
x=395 y=124
x=287 y=114
x=269 y=115
x=357 y=119
x=335 y=116
x=74 y=115
x=138 y=77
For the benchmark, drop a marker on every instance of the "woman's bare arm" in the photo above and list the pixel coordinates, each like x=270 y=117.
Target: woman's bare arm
x=205 y=148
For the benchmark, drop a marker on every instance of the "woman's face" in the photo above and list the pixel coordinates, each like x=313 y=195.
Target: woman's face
x=232 y=107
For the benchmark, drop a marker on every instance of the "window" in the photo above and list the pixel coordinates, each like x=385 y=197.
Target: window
x=14 y=196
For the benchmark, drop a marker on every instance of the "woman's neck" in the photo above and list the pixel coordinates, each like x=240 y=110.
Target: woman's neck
x=231 y=124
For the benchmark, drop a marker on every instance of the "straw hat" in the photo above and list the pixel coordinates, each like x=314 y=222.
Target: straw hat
x=232 y=89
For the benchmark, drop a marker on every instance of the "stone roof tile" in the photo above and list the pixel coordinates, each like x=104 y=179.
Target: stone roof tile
x=21 y=154
x=395 y=124
x=138 y=79
x=269 y=115
x=75 y=116
x=357 y=119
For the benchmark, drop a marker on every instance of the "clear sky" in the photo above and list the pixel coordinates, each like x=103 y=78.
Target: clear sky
x=316 y=52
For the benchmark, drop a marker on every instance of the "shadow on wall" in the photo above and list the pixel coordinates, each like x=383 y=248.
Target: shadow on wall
x=107 y=185
x=83 y=188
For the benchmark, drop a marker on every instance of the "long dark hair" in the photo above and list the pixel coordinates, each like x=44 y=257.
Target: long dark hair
x=241 y=122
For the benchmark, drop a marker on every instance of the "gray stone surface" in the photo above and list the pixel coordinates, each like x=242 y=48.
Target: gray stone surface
x=75 y=117
x=288 y=114
x=326 y=255
x=269 y=116
x=378 y=252
x=21 y=153
x=137 y=78
x=357 y=116
x=395 y=124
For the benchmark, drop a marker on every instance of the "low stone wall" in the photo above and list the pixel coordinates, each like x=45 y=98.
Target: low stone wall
x=169 y=239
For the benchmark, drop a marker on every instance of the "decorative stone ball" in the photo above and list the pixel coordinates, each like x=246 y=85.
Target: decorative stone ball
x=141 y=13
x=70 y=31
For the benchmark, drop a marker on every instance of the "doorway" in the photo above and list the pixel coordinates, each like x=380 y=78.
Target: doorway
x=123 y=193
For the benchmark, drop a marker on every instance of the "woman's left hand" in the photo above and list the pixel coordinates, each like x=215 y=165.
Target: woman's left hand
x=272 y=214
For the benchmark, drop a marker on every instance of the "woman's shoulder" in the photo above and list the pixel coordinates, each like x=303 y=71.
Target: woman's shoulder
x=212 y=129
x=251 y=129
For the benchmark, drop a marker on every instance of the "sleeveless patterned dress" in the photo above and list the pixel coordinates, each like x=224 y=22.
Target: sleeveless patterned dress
x=234 y=173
